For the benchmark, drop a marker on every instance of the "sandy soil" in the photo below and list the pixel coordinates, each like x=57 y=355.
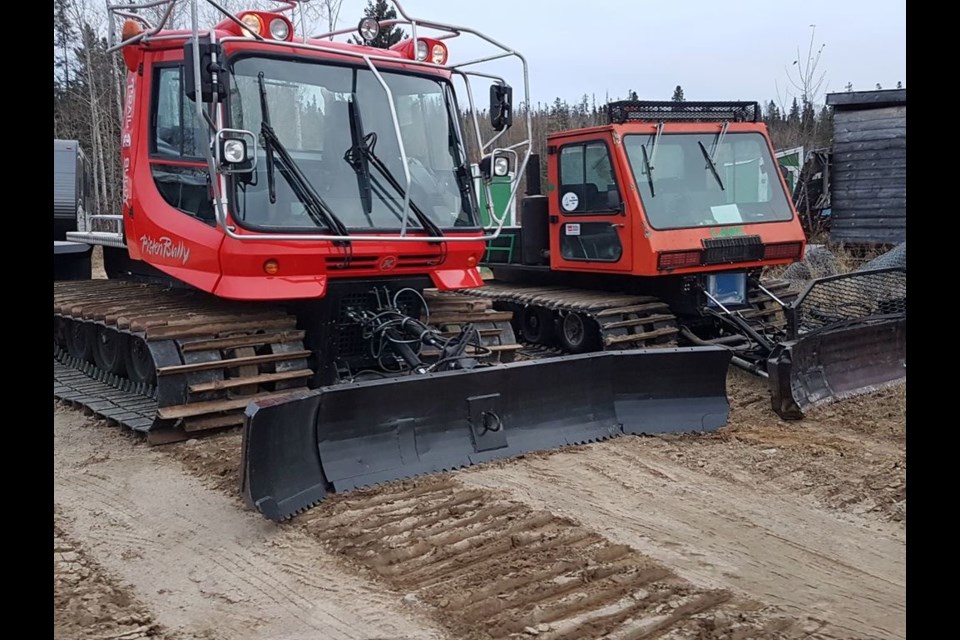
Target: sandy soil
x=765 y=529
x=89 y=602
x=204 y=566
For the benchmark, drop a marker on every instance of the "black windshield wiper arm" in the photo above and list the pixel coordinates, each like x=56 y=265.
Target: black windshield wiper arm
x=363 y=148
x=461 y=172
x=646 y=165
x=429 y=225
x=267 y=145
x=711 y=165
x=316 y=208
x=358 y=160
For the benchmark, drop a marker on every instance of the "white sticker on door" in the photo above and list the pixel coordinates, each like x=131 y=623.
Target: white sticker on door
x=569 y=201
x=573 y=229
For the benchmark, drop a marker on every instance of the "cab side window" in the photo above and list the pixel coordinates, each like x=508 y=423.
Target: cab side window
x=587 y=182
x=178 y=136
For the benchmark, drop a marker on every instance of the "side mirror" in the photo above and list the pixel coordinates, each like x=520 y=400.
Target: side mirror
x=495 y=165
x=236 y=151
x=501 y=106
x=614 y=203
x=211 y=73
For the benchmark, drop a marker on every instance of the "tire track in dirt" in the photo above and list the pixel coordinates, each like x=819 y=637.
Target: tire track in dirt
x=775 y=547
x=88 y=601
x=203 y=566
x=491 y=567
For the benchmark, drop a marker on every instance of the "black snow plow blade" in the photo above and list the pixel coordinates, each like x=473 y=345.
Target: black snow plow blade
x=298 y=449
x=849 y=337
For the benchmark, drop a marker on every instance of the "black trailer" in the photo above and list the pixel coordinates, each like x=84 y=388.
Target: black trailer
x=72 y=188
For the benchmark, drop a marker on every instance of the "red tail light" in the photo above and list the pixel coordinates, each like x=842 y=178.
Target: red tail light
x=782 y=251
x=678 y=259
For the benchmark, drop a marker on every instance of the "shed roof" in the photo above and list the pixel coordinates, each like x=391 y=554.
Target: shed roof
x=853 y=100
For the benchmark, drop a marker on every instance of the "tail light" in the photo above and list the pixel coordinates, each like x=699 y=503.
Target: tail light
x=677 y=259
x=782 y=251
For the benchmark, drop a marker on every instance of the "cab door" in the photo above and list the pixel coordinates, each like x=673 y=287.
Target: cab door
x=589 y=228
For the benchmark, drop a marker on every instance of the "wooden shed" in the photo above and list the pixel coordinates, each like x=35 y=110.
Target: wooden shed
x=869 y=167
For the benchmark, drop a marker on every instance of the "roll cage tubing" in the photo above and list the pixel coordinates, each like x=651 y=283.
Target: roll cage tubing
x=447 y=32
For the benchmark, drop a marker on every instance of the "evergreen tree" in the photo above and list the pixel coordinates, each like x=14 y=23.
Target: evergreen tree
x=772 y=114
x=632 y=95
x=793 y=117
x=62 y=36
x=388 y=36
x=678 y=94
x=899 y=84
x=808 y=119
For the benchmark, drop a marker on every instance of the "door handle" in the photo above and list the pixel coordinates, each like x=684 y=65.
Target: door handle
x=619 y=224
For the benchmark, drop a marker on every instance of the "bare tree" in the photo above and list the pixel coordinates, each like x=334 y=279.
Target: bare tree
x=804 y=75
x=332 y=10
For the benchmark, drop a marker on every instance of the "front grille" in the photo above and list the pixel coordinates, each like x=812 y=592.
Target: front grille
x=350 y=343
x=375 y=263
x=728 y=250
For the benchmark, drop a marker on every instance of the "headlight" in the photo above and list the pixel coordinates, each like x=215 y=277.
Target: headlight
x=253 y=23
x=727 y=288
x=501 y=166
x=234 y=151
x=421 y=50
x=279 y=29
x=369 y=29
x=438 y=54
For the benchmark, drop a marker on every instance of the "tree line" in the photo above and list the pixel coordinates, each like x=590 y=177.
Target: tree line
x=88 y=88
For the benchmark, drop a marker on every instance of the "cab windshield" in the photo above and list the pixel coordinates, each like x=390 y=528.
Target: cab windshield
x=692 y=182
x=310 y=110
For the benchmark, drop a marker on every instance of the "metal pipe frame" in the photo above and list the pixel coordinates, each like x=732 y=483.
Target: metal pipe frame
x=448 y=31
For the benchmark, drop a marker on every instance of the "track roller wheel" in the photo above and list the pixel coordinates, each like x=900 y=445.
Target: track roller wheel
x=60 y=327
x=139 y=361
x=577 y=333
x=80 y=338
x=108 y=350
x=536 y=325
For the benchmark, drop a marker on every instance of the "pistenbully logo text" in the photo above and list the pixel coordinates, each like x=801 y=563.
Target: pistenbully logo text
x=164 y=248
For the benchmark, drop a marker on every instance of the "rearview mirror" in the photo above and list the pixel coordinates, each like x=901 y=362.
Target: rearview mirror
x=501 y=106
x=614 y=203
x=211 y=73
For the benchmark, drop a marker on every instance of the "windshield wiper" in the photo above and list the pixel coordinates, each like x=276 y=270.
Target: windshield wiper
x=461 y=172
x=364 y=148
x=316 y=208
x=649 y=169
x=267 y=146
x=358 y=160
x=711 y=165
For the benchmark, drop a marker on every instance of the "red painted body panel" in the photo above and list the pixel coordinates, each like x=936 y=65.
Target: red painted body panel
x=641 y=242
x=203 y=256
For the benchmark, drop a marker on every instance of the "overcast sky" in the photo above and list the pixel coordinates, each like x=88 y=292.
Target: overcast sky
x=740 y=49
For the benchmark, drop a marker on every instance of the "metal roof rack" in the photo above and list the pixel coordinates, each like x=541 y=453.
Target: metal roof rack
x=649 y=111
x=369 y=57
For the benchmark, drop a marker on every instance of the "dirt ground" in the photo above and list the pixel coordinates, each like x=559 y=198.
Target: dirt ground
x=765 y=529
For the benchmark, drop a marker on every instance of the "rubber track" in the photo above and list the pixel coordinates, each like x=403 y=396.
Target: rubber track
x=201 y=336
x=628 y=321
x=625 y=321
x=214 y=355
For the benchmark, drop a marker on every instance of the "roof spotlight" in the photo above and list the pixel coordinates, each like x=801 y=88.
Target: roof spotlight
x=369 y=29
